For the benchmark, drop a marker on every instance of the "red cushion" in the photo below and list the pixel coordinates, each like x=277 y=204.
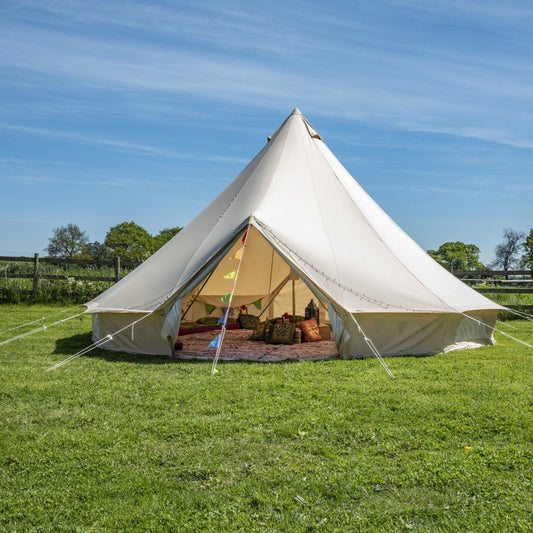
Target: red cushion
x=310 y=330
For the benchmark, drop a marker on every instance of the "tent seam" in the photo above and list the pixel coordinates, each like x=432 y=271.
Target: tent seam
x=403 y=265
x=318 y=203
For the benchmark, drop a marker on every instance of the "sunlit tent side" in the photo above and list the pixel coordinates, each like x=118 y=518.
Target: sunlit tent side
x=308 y=221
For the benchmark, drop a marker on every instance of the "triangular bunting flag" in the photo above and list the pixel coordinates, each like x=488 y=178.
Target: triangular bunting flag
x=257 y=303
x=226 y=298
x=215 y=342
x=224 y=317
x=209 y=308
x=244 y=237
x=238 y=254
x=231 y=275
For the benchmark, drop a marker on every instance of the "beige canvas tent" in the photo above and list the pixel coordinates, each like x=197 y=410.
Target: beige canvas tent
x=309 y=221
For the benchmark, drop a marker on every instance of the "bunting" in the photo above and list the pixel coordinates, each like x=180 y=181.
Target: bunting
x=224 y=317
x=209 y=308
x=215 y=343
x=258 y=303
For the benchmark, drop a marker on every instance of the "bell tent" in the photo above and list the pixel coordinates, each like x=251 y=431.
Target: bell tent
x=310 y=231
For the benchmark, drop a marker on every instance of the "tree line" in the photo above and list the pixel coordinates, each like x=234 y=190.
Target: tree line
x=127 y=240
x=514 y=251
x=132 y=242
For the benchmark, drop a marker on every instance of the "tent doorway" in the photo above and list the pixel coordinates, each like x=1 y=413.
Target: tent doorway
x=267 y=289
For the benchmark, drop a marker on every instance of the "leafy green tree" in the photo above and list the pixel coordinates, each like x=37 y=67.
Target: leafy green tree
x=165 y=235
x=506 y=253
x=130 y=242
x=97 y=251
x=67 y=242
x=527 y=258
x=458 y=256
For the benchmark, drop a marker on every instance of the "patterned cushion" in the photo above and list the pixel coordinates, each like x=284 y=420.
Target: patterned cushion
x=248 y=321
x=310 y=330
x=281 y=333
x=260 y=332
x=209 y=320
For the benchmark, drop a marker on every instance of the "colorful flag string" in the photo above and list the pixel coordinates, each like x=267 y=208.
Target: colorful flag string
x=227 y=299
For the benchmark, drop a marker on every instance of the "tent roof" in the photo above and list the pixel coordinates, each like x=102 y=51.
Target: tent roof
x=318 y=218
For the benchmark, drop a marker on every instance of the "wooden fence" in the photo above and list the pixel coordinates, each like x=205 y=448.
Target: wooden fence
x=500 y=281
x=494 y=281
x=37 y=275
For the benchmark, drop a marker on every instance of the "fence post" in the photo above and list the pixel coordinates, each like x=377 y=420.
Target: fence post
x=35 y=288
x=117 y=268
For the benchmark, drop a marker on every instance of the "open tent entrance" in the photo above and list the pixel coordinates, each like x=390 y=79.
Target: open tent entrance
x=267 y=287
x=264 y=287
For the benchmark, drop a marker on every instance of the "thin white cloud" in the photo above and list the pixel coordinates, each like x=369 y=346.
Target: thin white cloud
x=518 y=12
x=489 y=135
x=424 y=88
x=470 y=96
x=420 y=86
x=122 y=145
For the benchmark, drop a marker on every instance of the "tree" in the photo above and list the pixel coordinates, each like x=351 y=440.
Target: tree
x=458 y=256
x=97 y=251
x=130 y=242
x=67 y=242
x=506 y=253
x=527 y=258
x=165 y=235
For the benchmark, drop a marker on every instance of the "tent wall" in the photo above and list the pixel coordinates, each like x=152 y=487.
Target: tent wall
x=143 y=337
x=411 y=334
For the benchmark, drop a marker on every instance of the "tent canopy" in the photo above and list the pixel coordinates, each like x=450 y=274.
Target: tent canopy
x=307 y=216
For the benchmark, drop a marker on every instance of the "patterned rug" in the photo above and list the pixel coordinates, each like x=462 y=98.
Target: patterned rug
x=236 y=347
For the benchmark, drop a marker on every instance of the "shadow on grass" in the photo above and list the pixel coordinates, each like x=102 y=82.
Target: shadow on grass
x=68 y=346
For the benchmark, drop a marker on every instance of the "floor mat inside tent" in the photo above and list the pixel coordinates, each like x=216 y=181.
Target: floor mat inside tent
x=237 y=346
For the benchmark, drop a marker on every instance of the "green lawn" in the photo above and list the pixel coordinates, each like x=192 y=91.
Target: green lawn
x=117 y=442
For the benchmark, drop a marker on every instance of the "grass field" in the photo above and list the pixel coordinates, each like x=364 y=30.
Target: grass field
x=117 y=442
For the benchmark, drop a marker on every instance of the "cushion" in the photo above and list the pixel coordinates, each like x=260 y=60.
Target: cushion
x=211 y=320
x=201 y=328
x=261 y=331
x=281 y=333
x=248 y=321
x=310 y=330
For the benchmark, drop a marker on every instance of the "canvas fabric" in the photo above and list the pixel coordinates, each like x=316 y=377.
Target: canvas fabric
x=309 y=220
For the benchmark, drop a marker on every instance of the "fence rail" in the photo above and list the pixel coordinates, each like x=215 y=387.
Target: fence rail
x=37 y=276
x=496 y=278
x=60 y=261
x=491 y=273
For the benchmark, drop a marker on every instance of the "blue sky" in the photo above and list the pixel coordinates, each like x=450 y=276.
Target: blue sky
x=114 y=111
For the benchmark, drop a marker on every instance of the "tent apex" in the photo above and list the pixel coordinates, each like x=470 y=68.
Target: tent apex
x=296 y=111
